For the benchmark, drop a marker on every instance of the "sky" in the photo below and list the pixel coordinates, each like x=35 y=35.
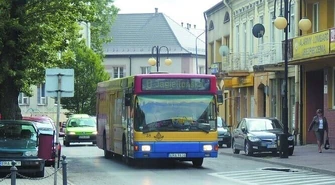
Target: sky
x=186 y=11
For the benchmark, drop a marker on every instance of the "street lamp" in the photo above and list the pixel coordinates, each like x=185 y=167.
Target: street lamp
x=282 y=23
x=152 y=61
x=196 y=52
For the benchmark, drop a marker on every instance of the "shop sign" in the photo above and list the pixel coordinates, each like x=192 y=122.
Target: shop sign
x=332 y=40
x=313 y=45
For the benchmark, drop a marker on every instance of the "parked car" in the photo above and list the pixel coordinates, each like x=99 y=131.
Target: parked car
x=80 y=128
x=46 y=126
x=259 y=135
x=19 y=141
x=224 y=136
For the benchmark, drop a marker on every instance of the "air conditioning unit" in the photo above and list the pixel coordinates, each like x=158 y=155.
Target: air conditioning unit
x=25 y=100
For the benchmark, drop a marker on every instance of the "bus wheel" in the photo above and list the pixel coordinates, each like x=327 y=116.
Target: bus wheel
x=197 y=162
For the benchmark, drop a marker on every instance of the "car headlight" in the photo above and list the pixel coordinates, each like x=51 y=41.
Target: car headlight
x=146 y=148
x=72 y=133
x=227 y=134
x=208 y=147
x=30 y=153
x=253 y=139
x=290 y=138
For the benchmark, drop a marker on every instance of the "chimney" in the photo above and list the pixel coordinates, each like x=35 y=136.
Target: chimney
x=182 y=24
x=195 y=26
x=156 y=10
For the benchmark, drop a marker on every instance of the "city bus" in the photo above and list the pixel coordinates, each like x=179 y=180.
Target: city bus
x=158 y=116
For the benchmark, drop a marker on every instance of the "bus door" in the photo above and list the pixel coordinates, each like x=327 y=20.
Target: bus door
x=128 y=121
x=111 y=121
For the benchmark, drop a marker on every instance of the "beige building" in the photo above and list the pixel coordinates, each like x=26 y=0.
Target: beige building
x=252 y=67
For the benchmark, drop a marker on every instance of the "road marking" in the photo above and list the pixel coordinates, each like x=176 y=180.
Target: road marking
x=264 y=177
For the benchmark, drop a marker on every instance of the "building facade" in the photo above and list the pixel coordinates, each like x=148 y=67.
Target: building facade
x=253 y=68
x=136 y=38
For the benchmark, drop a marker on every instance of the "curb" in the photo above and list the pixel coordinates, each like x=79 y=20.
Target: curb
x=282 y=164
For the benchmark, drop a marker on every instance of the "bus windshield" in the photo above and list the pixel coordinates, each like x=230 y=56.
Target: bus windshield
x=175 y=113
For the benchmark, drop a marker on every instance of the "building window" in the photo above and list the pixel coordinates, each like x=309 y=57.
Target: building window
x=211 y=26
x=237 y=45
x=251 y=40
x=118 y=72
x=23 y=99
x=145 y=70
x=315 y=17
x=292 y=22
x=201 y=70
x=41 y=98
x=272 y=29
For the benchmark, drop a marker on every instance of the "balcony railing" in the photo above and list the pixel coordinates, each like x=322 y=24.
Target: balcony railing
x=269 y=53
x=237 y=62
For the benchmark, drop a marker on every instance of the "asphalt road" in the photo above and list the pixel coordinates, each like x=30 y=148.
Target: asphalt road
x=87 y=166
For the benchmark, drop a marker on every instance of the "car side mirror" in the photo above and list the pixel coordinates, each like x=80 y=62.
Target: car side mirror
x=244 y=129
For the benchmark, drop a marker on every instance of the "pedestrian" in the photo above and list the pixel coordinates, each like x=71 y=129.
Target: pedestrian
x=319 y=125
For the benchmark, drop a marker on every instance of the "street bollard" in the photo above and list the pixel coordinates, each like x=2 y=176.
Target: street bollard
x=13 y=171
x=64 y=170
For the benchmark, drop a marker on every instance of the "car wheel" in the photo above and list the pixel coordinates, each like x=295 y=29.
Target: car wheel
x=40 y=173
x=65 y=143
x=235 y=151
x=197 y=162
x=290 y=151
x=220 y=145
x=247 y=149
x=228 y=145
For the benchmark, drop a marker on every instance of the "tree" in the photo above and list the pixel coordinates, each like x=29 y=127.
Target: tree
x=33 y=32
x=88 y=71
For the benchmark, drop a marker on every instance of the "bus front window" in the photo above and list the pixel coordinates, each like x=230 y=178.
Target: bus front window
x=175 y=113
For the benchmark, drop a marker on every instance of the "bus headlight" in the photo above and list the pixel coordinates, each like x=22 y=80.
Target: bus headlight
x=72 y=133
x=95 y=133
x=146 y=148
x=208 y=147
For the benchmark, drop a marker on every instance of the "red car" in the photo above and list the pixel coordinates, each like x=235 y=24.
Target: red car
x=47 y=131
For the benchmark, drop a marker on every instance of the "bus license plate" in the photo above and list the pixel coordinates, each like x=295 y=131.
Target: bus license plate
x=9 y=163
x=178 y=155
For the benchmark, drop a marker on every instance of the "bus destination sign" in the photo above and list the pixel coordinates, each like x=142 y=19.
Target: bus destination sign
x=175 y=84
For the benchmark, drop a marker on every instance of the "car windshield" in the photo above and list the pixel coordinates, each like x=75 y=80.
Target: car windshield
x=82 y=122
x=175 y=112
x=263 y=124
x=17 y=135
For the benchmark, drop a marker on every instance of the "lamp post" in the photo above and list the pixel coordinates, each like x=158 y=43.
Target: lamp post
x=283 y=22
x=156 y=50
x=196 y=52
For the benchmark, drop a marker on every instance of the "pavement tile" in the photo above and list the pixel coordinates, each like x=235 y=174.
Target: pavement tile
x=304 y=157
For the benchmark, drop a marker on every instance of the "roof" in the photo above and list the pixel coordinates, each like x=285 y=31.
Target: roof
x=138 y=33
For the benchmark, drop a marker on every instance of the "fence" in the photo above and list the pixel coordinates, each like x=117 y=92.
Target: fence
x=14 y=173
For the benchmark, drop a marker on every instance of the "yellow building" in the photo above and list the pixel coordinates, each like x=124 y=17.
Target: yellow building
x=314 y=53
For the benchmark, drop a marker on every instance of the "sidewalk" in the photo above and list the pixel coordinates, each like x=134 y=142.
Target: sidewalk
x=49 y=179
x=304 y=157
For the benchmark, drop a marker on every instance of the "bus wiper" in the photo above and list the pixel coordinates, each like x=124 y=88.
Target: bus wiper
x=203 y=129
x=150 y=129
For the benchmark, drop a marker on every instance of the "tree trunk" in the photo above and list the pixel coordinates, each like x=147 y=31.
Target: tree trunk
x=9 y=104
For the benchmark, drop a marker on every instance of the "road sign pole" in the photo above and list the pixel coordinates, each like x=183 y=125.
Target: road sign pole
x=57 y=127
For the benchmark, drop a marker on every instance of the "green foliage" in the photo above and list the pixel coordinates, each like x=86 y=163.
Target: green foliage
x=88 y=72
x=33 y=32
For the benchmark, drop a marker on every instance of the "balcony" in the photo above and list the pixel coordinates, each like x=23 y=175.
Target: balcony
x=237 y=62
x=269 y=53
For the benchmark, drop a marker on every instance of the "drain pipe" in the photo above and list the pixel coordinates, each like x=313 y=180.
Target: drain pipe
x=130 y=65
x=230 y=24
x=206 y=47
